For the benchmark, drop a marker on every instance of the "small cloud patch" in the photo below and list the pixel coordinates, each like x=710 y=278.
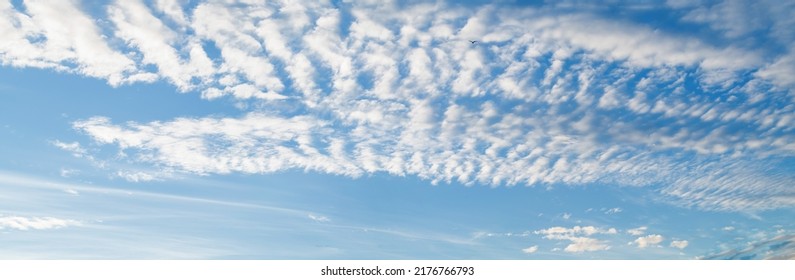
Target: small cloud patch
x=35 y=223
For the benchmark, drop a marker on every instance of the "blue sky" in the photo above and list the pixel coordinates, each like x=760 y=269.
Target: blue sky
x=171 y=129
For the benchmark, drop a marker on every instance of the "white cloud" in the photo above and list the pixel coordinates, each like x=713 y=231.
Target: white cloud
x=530 y=250
x=637 y=231
x=67 y=172
x=562 y=232
x=728 y=228
x=586 y=244
x=579 y=237
x=735 y=190
x=173 y=8
x=780 y=71
x=733 y=18
x=318 y=218
x=184 y=144
x=736 y=20
x=71 y=36
x=35 y=223
x=369 y=89
x=637 y=44
x=72 y=191
x=681 y=244
x=613 y=211
x=78 y=151
x=136 y=176
x=140 y=28
x=252 y=36
x=74 y=147
x=649 y=240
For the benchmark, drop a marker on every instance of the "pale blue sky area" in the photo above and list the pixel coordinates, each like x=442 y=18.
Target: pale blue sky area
x=170 y=129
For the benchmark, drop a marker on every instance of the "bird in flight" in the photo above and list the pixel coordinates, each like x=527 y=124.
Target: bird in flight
x=472 y=42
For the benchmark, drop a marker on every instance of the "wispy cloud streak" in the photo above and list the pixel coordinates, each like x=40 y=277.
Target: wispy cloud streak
x=34 y=223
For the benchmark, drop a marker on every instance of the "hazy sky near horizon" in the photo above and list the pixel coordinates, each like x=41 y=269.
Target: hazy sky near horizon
x=397 y=129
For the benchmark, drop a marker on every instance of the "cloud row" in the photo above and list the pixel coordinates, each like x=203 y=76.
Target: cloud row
x=580 y=238
x=584 y=238
x=546 y=96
